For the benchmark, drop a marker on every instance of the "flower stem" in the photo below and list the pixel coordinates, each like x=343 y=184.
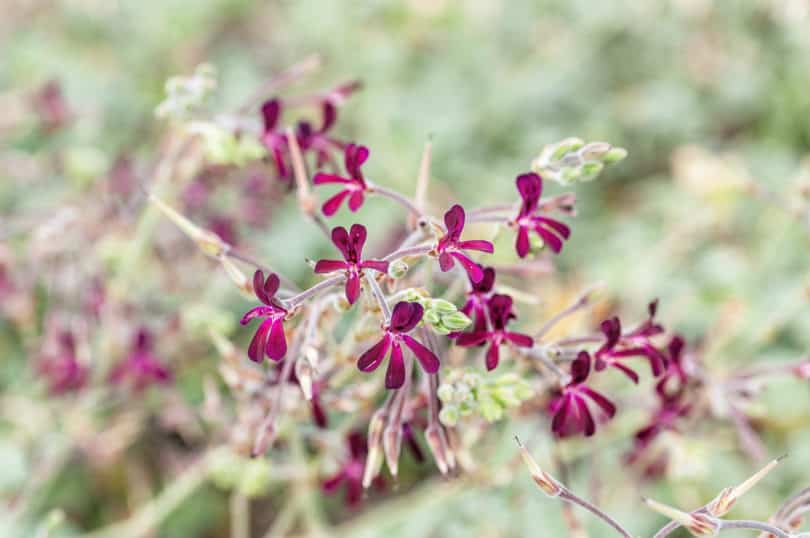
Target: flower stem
x=378 y=294
x=573 y=498
x=580 y=303
x=402 y=200
x=753 y=525
x=417 y=250
x=324 y=285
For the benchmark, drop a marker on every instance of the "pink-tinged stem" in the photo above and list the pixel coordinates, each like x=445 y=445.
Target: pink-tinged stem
x=417 y=250
x=573 y=498
x=378 y=294
x=541 y=354
x=500 y=208
x=318 y=288
x=402 y=200
x=753 y=525
x=242 y=257
x=488 y=218
x=580 y=303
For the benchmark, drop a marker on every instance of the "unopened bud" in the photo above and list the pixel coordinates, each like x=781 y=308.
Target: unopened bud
x=392 y=444
x=595 y=150
x=432 y=317
x=614 y=155
x=456 y=321
x=443 y=307
x=591 y=170
x=566 y=146
x=445 y=392
x=449 y=415
x=374 y=458
x=397 y=269
x=438 y=447
x=547 y=483
x=696 y=523
x=236 y=275
x=255 y=478
x=209 y=242
x=723 y=502
x=303 y=371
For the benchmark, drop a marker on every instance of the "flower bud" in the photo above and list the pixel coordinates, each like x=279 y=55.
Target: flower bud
x=595 y=150
x=374 y=458
x=456 y=321
x=696 y=523
x=591 y=170
x=442 y=307
x=546 y=482
x=438 y=447
x=726 y=499
x=432 y=317
x=397 y=269
x=614 y=155
x=255 y=478
x=392 y=444
x=445 y=392
x=449 y=415
x=303 y=371
x=489 y=408
x=471 y=379
x=225 y=468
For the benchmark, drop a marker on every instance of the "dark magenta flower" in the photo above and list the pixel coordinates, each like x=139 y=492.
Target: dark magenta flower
x=63 y=370
x=500 y=313
x=477 y=297
x=354 y=186
x=403 y=319
x=274 y=138
x=450 y=247
x=141 y=367
x=636 y=343
x=350 y=245
x=675 y=377
x=318 y=141
x=572 y=414
x=552 y=232
x=671 y=410
x=351 y=472
x=269 y=338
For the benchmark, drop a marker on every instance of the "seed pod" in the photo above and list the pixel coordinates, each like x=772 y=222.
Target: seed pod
x=437 y=447
x=392 y=445
x=696 y=523
x=546 y=482
x=375 y=449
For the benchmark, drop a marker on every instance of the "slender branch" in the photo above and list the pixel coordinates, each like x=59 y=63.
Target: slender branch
x=318 y=288
x=541 y=353
x=572 y=498
x=753 y=525
x=245 y=258
x=378 y=294
x=580 y=303
x=417 y=250
x=395 y=196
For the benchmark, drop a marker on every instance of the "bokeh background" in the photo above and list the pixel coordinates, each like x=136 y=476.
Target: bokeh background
x=709 y=212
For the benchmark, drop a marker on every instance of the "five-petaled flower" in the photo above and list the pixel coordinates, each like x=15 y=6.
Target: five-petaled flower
x=350 y=245
x=477 y=297
x=354 y=186
x=552 y=232
x=141 y=367
x=273 y=137
x=449 y=248
x=572 y=414
x=351 y=471
x=63 y=370
x=500 y=313
x=318 y=140
x=269 y=338
x=636 y=343
x=403 y=319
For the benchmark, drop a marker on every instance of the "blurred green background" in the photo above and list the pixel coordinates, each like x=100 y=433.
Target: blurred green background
x=708 y=212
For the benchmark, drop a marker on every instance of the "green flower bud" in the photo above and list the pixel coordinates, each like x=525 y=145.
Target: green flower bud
x=462 y=393
x=226 y=468
x=506 y=396
x=445 y=392
x=523 y=391
x=614 y=155
x=438 y=328
x=448 y=415
x=595 y=150
x=536 y=244
x=591 y=170
x=397 y=269
x=471 y=379
x=466 y=409
x=432 y=317
x=570 y=174
x=456 y=321
x=443 y=307
x=256 y=478
x=490 y=409
x=509 y=378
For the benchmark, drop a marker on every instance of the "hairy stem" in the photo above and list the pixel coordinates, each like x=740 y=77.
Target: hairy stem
x=318 y=288
x=378 y=294
x=417 y=250
x=402 y=200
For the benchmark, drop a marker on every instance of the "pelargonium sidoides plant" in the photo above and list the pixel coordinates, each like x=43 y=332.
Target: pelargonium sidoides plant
x=416 y=347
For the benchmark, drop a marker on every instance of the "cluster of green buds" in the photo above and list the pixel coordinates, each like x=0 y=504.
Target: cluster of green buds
x=573 y=160
x=465 y=393
x=186 y=95
x=224 y=145
x=231 y=471
x=442 y=316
